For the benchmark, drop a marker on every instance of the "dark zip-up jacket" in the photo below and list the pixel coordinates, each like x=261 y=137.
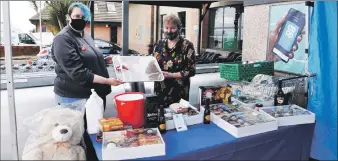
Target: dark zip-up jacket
x=77 y=61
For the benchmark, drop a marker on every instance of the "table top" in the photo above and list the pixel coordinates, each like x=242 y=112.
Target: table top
x=209 y=141
x=200 y=136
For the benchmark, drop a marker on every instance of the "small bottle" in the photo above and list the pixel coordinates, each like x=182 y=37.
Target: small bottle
x=161 y=120
x=280 y=96
x=206 y=115
x=258 y=106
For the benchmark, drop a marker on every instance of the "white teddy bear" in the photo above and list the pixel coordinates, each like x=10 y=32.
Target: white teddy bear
x=58 y=136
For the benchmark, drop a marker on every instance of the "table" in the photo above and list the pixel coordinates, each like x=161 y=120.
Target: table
x=209 y=142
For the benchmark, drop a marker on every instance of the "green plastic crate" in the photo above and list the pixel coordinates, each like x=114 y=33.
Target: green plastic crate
x=238 y=71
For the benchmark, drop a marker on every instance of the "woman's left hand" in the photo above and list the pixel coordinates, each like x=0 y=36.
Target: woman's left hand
x=167 y=74
x=109 y=59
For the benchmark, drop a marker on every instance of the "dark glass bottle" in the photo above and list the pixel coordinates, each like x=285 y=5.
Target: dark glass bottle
x=280 y=96
x=161 y=120
x=206 y=115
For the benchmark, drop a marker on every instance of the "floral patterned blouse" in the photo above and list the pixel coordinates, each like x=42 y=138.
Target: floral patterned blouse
x=180 y=58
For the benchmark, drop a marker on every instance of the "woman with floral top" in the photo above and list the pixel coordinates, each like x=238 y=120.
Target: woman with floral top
x=176 y=57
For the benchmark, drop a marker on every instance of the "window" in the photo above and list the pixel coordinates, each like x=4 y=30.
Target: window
x=182 y=16
x=161 y=26
x=96 y=8
x=26 y=39
x=224 y=28
x=44 y=29
x=111 y=7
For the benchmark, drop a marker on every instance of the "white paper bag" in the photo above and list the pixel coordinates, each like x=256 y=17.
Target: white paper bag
x=94 y=112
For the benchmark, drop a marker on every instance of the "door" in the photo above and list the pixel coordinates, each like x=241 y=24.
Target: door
x=113 y=34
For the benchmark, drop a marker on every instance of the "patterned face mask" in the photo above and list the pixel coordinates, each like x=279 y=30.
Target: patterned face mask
x=171 y=35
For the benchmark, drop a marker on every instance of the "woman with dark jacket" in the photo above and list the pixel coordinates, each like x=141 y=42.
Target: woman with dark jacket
x=80 y=66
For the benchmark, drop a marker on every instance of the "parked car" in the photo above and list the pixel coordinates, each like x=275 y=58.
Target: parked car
x=112 y=48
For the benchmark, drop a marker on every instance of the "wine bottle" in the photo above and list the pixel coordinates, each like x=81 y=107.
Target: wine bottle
x=280 y=96
x=206 y=115
x=161 y=120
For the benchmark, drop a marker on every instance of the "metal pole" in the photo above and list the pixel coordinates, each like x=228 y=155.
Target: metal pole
x=40 y=27
x=92 y=19
x=157 y=16
x=9 y=74
x=199 y=31
x=125 y=27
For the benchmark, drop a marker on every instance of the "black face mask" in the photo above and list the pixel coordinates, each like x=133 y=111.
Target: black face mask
x=78 y=24
x=171 y=35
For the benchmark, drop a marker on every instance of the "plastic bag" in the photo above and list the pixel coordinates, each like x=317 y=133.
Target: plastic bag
x=56 y=133
x=94 y=112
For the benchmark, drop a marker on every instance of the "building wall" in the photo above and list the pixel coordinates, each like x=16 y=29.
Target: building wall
x=140 y=19
x=255 y=32
x=101 y=31
x=49 y=28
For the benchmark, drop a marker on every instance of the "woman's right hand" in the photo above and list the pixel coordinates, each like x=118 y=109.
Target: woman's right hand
x=114 y=82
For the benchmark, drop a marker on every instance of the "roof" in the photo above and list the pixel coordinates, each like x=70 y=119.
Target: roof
x=184 y=4
x=103 y=12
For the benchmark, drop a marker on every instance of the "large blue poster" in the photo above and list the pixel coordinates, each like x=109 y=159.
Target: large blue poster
x=286 y=44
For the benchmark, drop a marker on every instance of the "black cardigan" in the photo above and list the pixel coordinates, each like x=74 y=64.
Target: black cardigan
x=77 y=61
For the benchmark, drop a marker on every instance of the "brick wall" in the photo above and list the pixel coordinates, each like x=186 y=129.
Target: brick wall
x=21 y=50
x=101 y=31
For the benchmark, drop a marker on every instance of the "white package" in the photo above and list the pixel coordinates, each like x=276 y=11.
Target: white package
x=94 y=112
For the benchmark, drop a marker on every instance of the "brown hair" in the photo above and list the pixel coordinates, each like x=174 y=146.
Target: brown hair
x=173 y=19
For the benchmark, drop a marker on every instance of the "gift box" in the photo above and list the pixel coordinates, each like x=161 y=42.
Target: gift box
x=111 y=124
x=250 y=101
x=216 y=94
x=190 y=114
x=242 y=121
x=132 y=144
x=290 y=115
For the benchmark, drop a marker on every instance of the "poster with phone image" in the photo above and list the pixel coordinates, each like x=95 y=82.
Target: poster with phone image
x=288 y=48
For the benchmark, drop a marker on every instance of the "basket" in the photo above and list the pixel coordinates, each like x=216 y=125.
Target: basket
x=238 y=71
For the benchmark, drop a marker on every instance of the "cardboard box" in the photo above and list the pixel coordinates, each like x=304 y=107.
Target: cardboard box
x=299 y=116
x=141 y=151
x=239 y=132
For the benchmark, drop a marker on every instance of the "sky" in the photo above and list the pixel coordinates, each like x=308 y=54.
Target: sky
x=20 y=13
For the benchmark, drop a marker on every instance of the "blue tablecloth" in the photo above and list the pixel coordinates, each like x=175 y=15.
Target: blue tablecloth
x=209 y=142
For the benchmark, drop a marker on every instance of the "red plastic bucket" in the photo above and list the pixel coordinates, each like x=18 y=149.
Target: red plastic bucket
x=130 y=108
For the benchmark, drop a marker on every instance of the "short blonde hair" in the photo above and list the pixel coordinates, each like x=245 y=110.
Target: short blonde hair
x=173 y=18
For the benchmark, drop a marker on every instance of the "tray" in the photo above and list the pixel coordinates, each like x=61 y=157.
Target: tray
x=140 y=69
x=290 y=115
x=122 y=153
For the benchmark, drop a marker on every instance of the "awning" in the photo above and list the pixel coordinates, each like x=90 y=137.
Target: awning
x=184 y=4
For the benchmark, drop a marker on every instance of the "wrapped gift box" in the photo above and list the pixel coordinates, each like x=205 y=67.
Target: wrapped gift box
x=132 y=144
x=216 y=94
x=290 y=115
x=191 y=117
x=243 y=121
